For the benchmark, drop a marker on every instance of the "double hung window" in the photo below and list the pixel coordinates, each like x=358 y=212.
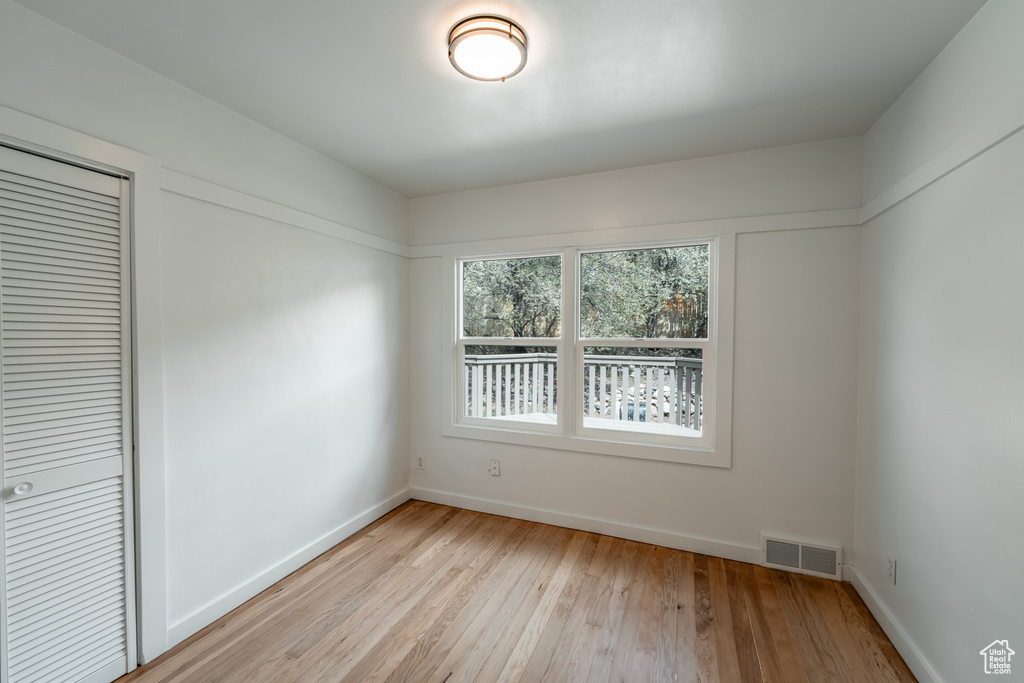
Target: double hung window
x=610 y=350
x=643 y=330
x=511 y=320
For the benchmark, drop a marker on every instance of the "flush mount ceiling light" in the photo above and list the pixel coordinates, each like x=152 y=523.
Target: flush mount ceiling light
x=487 y=47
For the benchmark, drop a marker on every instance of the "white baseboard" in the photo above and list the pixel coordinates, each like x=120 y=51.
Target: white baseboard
x=705 y=546
x=217 y=608
x=903 y=643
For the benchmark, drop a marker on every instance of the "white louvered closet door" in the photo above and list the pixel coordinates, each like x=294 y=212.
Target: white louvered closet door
x=67 y=586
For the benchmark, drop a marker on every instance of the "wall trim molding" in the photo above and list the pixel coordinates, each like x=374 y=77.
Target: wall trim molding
x=31 y=133
x=642 y=534
x=901 y=640
x=209 y=613
x=203 y=190
x=645 y=233
x=957 y=155
x=964 y=151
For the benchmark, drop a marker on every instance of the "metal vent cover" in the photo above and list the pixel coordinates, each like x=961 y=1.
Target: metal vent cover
x=782 y=553
x=818 y=560
x=815 y=559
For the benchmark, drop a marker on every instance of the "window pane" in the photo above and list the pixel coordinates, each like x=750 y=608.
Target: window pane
x=518 y=297
x=653 y=390
x=654 y=293
x=511 y=383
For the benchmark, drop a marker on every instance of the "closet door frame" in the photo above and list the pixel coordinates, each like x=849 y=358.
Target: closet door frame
x=142 y=316
x=127 y=433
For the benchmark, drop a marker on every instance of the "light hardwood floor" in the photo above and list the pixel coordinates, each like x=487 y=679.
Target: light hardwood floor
x=434 y=593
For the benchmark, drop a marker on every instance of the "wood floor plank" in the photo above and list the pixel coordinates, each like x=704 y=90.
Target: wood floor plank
x=485 y=619
x=432 y=643
x=743 y=635
x=716 y=651
x=434 y=593
x=785 y=645
x=854 y=604
x=664 y=665
x=420 y=633
x=764 y=641
x=821 y=659
x=576 y=629
x=341 y=642
x=388 y=579
x=307 y=635
x=564 y=608
x=645 y=658
x=603 y=657
x=629 y=628
x=685 y=667
x=400 y=639
x=491 y=652
x=551 y=611
x=595 y=612
x=860 y=654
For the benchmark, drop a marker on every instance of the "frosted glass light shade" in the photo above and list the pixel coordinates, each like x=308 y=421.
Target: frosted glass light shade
x=487 y=48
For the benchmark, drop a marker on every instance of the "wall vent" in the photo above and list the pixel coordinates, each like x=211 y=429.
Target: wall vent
x=804 y=558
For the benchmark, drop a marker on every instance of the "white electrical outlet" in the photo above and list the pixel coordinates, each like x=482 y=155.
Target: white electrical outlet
x=419 y=463
x=495 y=468
x=892 y=570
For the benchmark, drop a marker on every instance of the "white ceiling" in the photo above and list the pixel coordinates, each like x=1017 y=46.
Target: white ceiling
x=608 y=84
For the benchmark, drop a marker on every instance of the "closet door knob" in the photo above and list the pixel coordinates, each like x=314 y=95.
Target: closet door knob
x=23 y=488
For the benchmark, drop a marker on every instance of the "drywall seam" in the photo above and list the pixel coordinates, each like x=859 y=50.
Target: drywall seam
x=668 y=539
x=188 y=186
x=209 y=613
x=906 y=646
x=645 y=233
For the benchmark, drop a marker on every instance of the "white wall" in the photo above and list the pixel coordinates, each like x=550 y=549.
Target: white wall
x=815 y=176
x=283 y=421
x=969 y=87
x=283 y=430
x=940 y=465
x=59 y=76
x=795 y=359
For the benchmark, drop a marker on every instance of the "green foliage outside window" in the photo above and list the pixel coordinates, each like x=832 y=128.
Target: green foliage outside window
x=653 y=293
x=518 y=297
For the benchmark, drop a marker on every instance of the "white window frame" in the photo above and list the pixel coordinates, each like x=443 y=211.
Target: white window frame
x=713 y=448
x=634 y=435
x=559 y=344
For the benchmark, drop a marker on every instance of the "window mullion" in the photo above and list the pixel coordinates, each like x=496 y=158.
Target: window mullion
x=567 y=363
x=670 y=343
x=510 y=341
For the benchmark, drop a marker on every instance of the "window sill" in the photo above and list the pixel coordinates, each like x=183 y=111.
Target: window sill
x=658 y=428
x=610 y=444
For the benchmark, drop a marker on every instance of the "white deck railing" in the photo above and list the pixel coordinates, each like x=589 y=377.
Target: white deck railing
x=643 y=389
x=510 y=384
x=621 y=388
